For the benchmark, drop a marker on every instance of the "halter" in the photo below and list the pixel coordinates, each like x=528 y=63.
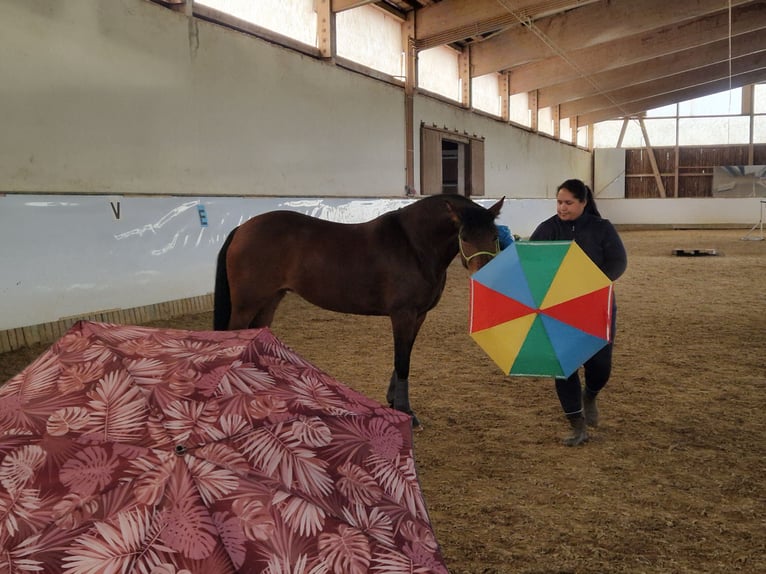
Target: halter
x=468 y=258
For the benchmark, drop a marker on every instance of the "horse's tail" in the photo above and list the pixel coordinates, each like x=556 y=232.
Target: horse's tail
x=222 y=295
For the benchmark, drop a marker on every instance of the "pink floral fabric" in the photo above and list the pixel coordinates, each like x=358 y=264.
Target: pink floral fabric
x=155 y=451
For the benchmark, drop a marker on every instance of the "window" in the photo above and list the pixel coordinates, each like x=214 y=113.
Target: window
x=545 y=121
x=438 y=72
x=485 y=93
x=664 y=112
x=292 y=18
x=722 y=130
x=759 y=99
x=714 y=119
x=518 y=109
x=371 y=37
x=723 y=103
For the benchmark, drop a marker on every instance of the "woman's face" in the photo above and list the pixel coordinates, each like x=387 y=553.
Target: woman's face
x=568 y=207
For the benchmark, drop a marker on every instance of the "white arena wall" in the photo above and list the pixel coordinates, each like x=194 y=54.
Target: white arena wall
x=66 y=256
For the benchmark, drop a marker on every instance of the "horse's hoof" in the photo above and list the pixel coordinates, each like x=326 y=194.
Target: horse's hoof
x=416 y=426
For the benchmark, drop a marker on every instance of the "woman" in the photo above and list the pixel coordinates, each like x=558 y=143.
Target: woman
x=577 y=218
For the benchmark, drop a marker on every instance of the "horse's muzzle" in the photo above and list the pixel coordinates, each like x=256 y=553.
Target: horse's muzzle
x=477 y=261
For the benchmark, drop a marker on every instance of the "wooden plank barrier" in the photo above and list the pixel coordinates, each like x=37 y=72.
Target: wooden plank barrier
x=20 y=337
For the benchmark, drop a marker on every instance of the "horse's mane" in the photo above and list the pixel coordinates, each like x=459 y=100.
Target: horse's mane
x=471 y=213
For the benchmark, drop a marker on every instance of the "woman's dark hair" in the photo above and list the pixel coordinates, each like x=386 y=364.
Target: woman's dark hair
x=582 y=192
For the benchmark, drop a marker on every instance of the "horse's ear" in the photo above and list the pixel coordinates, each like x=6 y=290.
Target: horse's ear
x=495 y=209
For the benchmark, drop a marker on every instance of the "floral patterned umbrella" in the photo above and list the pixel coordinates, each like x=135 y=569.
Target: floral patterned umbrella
x=158 y=451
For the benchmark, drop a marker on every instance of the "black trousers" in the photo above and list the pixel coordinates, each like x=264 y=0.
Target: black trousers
x=596 y=370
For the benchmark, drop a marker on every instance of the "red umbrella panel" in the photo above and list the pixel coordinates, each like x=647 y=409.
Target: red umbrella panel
x=541 y=308
x=158 y=451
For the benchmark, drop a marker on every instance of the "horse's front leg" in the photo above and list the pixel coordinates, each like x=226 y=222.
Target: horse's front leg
x=405 y=327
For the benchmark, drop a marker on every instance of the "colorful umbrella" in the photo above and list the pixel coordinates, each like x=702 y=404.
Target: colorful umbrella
x=158 y=451
x=541 y=308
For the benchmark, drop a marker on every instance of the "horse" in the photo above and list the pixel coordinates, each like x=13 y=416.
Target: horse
x=394 y=265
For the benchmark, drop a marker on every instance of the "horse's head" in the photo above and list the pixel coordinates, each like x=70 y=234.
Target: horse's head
x=477 y=234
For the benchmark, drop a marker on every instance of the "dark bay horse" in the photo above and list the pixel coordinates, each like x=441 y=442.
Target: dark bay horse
x=394 y=265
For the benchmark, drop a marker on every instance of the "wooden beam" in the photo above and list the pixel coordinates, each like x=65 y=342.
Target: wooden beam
x=673 y=97
x=587 y=26
x=341 y=5
x=639 y=48
x=652 y=159
x=449 y=15
x=505 y=109
x=454 y=20
x=748 y=100
x=699 y=76
x=623 y=129
x=410 y=81
x=325 y=28
x=678 y=62
x=676 y=160
x=464 y=71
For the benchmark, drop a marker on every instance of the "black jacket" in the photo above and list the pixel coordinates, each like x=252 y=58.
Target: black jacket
x=596 y=236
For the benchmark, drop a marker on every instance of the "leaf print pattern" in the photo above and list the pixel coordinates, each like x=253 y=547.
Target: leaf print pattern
x=188 y=526
x=345 y=551
x=117 y=411
x=75 y=377
x=73 y=509
x=374 y=523
x=357 y=485
x=19 y=467
x=399 y=479
x=66 y=419
x=230 y=531
x=19 y=510
x=312 y=432
x=88 y=472
x=243 y=378
x=161 y=451
x=190 y=420
x=212 y=482
x=128 y=545
x=278 y=453
x=254 y=518
x=300 y=515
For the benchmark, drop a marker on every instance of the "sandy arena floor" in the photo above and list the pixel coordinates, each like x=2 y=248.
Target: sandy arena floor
x=673 y=481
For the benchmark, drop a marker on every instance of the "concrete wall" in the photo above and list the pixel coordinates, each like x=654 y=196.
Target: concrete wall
x=132 y=98
x=123 y=97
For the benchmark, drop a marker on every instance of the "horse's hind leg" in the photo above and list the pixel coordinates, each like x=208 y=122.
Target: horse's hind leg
x=254 y=313
x=265 y=315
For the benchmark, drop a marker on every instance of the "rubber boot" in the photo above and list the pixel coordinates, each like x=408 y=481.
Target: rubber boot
x=579 y=431
x=589 y=408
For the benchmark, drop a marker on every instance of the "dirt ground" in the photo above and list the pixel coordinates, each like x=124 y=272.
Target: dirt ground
x=673 y=481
